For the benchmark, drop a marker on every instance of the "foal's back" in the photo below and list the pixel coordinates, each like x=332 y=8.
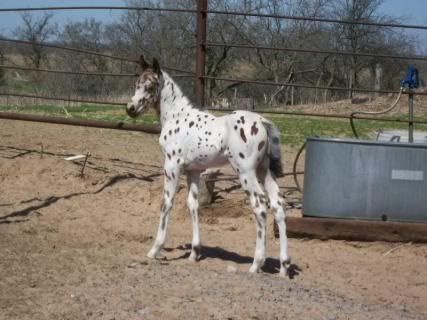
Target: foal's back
x=200 y=140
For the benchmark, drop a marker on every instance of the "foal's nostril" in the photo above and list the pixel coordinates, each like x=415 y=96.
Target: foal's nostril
x=131 y=109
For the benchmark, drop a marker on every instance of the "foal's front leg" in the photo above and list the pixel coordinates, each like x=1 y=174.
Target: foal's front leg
x=193 y=180
x=172 y=172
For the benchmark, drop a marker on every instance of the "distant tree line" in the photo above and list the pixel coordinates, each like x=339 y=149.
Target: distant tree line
x=170 y=37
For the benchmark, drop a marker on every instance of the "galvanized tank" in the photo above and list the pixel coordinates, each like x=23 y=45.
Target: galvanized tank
x=375 y=180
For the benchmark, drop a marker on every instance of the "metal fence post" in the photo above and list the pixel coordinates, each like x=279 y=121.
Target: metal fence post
x=411 y=117
x=202 y=6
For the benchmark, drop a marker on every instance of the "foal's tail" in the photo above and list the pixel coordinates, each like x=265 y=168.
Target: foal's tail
x=274 y=149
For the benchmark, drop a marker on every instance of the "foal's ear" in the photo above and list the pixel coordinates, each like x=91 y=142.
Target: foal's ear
x=144 y=64
x=156 y=66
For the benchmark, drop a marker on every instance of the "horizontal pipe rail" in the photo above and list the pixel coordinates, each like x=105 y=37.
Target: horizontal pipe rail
x=24 y=95
x=235 y=13
x=334 y=52
x=147 y=128
x=101 y=74
x=61 y=8
x=271 y=83
x=55 y=46
x=321 y=115
x=2 y=66
x=287 y=17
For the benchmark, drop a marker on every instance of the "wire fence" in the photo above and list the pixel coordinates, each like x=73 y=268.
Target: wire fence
x=201 y=45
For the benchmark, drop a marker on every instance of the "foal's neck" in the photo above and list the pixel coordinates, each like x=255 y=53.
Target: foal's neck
x=173 y=103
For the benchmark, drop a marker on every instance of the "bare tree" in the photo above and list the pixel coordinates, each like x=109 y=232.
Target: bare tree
x=36 y=29
x=170 y=37
x=285 y=67
x=358 y=38
x=89 y=35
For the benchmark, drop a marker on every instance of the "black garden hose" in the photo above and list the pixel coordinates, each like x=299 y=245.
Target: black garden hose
x=352 y=115
x=294 y=168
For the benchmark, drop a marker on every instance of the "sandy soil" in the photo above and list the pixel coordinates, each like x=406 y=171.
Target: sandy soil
x=74 y=248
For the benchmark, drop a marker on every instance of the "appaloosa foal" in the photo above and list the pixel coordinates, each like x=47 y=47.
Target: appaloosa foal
x=192 y=141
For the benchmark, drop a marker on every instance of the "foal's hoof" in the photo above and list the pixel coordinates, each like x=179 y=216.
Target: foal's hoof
x=152 y=254
x=196 y=253
x=254 y=269
x=284 y=268
x=194 y=257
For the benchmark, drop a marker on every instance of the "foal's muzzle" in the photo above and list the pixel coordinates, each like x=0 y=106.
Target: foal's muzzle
x=132 y=110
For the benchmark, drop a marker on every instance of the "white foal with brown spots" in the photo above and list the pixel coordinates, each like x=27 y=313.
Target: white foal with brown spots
x=192 y=141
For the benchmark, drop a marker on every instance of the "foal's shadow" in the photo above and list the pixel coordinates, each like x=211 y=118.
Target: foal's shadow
x=270 y=266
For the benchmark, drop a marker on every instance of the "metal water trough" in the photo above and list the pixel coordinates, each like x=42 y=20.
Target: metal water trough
x=372 y=180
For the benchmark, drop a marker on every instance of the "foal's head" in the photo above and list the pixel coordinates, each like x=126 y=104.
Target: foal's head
x=147 y=88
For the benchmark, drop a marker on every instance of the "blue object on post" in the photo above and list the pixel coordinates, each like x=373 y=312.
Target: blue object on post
x=411 y=79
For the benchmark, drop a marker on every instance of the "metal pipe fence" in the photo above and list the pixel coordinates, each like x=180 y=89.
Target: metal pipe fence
x=199 y=76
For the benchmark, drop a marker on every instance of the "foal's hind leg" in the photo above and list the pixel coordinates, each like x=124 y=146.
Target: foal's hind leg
x=277 y=203
x=193 y=180
x=172 y=173
x=257 y=199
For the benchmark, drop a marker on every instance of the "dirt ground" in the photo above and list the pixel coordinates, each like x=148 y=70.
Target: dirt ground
x=74 y=248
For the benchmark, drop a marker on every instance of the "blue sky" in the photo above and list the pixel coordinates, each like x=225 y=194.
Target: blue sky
x=10 y=20
x=409 y=11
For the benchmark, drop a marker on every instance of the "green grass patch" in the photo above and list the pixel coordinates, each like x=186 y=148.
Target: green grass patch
x=294 y=129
